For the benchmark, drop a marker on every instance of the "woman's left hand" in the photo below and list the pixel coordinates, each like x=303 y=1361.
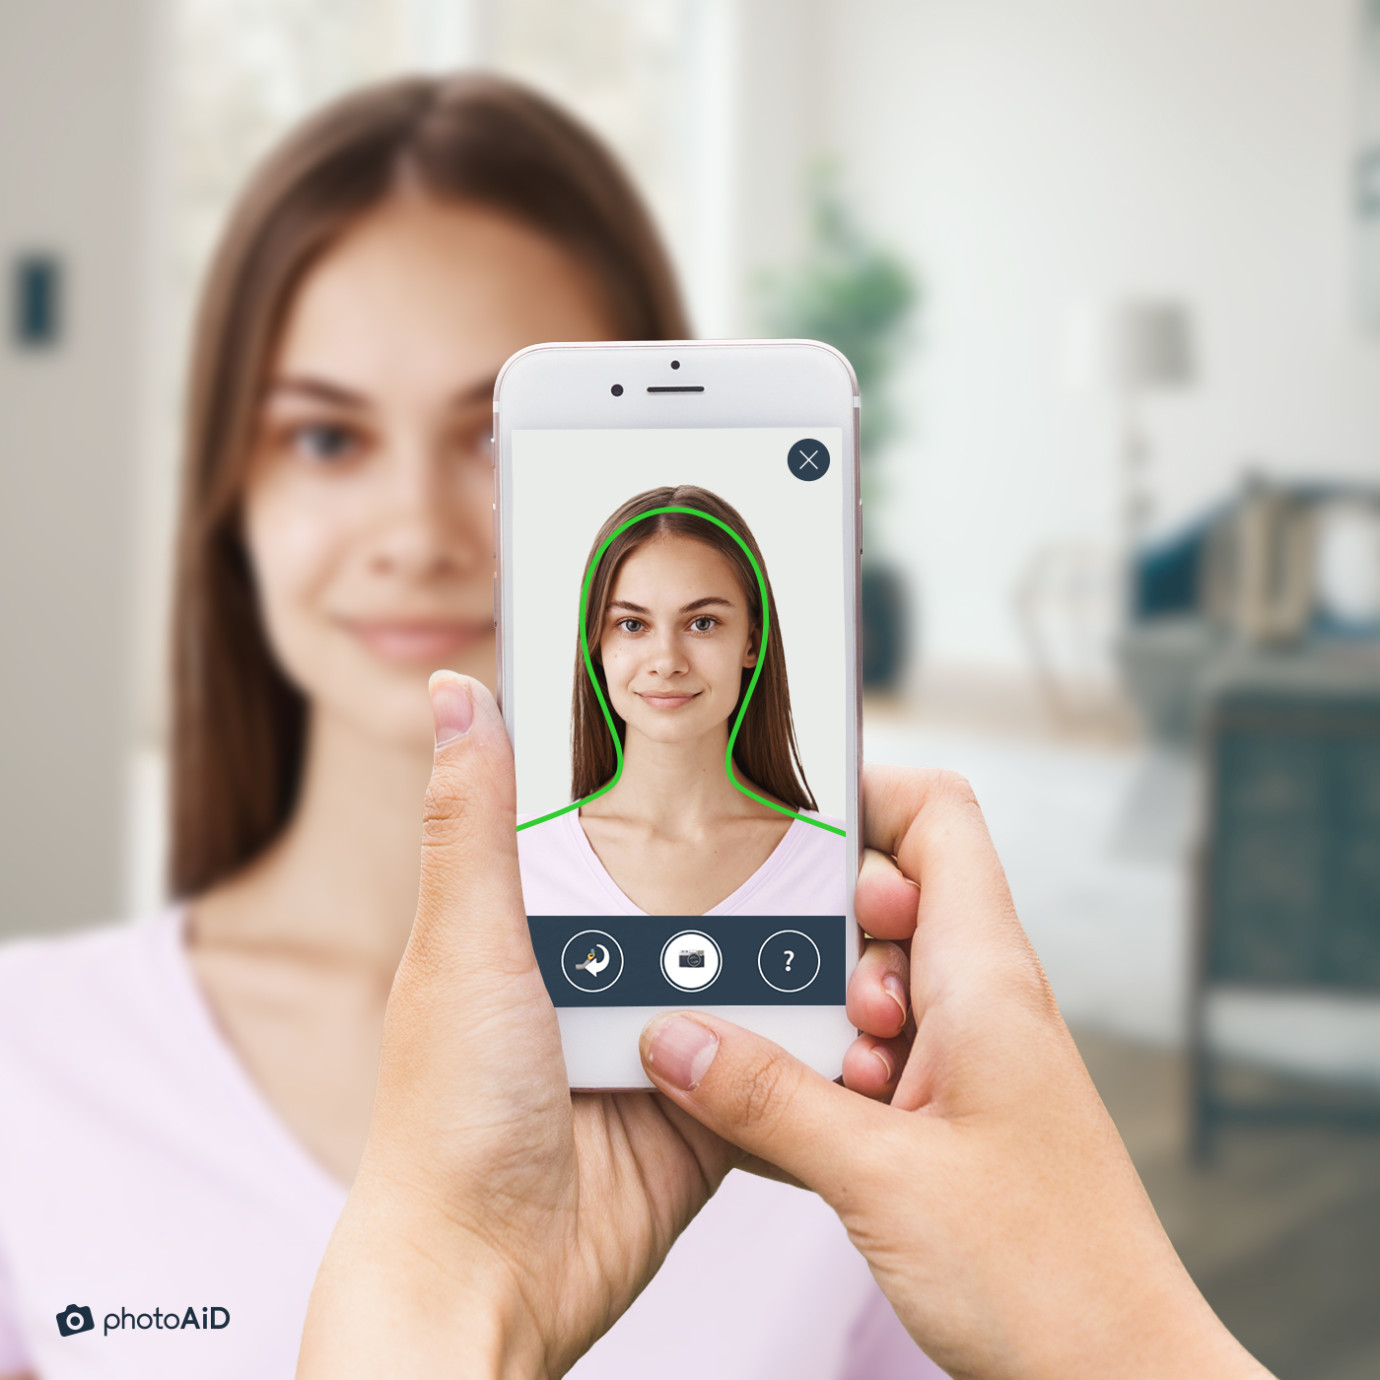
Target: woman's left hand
x=499 y=1224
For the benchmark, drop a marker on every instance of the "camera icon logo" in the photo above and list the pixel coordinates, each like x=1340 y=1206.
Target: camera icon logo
x=74 y=1319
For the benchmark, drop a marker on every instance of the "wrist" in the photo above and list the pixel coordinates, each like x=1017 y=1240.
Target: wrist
x=394 y=1296
x=1158 y=1327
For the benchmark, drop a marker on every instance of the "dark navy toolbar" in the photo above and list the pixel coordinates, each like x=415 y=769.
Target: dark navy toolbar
x=692 y=960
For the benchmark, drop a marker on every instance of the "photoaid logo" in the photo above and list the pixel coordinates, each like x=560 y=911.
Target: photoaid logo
x=73 y=1319
x=77 y=1318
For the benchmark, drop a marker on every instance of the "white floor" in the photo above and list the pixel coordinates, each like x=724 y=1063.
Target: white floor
x=1095 y=844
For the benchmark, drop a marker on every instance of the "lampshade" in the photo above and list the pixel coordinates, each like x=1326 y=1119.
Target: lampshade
x=1136 y=345
x=1155 y=344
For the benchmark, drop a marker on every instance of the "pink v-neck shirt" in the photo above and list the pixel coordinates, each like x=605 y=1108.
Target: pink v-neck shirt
x=805 y=874
x=143 y=1175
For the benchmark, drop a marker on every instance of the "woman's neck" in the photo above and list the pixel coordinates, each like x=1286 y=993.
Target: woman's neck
x=675 y=789
x=341 y=880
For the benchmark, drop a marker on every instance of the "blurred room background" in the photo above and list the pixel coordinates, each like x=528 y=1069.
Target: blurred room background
x=1111 y=275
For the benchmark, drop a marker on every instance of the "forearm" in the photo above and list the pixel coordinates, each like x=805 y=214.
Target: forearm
x=1131 y=1311
x=1173 y=1332
x=383 y=1304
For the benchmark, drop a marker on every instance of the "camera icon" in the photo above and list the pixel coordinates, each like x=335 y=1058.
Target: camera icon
x=691 y=960
x=74 y=1319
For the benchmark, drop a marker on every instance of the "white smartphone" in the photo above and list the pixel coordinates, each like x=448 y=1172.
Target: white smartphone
x=678 y=529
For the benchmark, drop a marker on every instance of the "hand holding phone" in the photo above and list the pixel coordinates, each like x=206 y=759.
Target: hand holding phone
x=499 y=1224
x=494 y=1214
x=993 y=1198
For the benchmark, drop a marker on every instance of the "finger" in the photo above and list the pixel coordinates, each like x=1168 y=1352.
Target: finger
x=468 y=985
x=929 y=821
x=470 y=886
x=873 y=1067
x=879 y=991
x=886 y=899
x=753 y=1093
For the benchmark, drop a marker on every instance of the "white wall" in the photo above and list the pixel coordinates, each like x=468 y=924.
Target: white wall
x=73 y=80
x=1035 y=158
x=1030 y=157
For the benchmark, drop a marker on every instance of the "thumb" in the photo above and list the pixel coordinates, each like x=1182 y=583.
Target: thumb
x=761 y=1098
x=470 y=886
x=468 y=984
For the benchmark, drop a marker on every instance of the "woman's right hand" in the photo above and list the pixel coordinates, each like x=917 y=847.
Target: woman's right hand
x=992 y=1198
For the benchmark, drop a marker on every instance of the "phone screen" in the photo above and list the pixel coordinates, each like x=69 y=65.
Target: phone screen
x=677 y=684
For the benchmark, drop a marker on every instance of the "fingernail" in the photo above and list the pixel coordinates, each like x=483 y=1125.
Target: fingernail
x=452 y=710
x=896 y=990
x=884 y=1059
x=681 y=1051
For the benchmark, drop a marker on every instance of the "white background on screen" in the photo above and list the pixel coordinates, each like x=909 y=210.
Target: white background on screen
x=564 y=485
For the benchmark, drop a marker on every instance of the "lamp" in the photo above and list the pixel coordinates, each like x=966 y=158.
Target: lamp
x=1135 y=347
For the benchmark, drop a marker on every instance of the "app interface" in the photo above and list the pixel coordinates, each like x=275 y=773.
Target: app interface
x=678 y=657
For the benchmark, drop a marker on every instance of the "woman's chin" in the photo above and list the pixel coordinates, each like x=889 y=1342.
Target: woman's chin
x=394 y=672
x=386 y=705
x=671 y=728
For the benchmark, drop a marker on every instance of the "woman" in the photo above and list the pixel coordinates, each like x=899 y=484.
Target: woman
x=185 y=1099
x=674 y=625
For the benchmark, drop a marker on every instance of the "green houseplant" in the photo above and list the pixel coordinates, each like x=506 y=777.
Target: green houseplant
x=859 y=297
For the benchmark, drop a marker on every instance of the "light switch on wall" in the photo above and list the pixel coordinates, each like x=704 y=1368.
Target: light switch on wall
x=36 y=300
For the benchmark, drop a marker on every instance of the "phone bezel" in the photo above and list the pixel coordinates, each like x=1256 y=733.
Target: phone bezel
x=745 y=383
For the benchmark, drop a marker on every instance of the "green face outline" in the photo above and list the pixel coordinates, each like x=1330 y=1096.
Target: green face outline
x=742 y=708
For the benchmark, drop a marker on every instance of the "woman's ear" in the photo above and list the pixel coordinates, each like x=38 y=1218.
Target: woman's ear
x=753 y=648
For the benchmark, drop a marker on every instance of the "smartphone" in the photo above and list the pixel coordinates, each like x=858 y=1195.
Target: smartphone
x=678 y=531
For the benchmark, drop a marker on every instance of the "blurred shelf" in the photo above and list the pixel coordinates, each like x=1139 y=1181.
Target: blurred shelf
x=1010 y=704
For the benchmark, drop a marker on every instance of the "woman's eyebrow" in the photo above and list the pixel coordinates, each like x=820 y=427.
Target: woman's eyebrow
x=708 y=601
x=475 y=393
x=323 y=390
x=316 y=390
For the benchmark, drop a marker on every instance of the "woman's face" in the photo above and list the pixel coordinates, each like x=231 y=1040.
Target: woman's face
x=677 y=634
x=368 y=508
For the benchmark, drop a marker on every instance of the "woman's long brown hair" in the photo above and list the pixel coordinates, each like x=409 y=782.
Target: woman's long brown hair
x=765 y=752
x=238 y=725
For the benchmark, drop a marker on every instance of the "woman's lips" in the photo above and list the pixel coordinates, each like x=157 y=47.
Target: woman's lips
x=418 y=641
x=667 y=701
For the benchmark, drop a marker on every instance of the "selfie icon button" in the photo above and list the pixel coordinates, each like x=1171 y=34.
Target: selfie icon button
x=691 y=960
x=788 y=961
x=592 y=961
x=808 y=459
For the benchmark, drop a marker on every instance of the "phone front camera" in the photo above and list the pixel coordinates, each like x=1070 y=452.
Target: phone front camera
x=617 y=390
x=675 y=364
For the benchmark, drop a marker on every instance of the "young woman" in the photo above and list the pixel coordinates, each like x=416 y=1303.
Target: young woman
x=674 y=625
x=185 y=1099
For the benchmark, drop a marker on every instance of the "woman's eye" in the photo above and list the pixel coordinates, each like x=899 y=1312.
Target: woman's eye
x=704 y=623
x=630 y=625
x=322 y=441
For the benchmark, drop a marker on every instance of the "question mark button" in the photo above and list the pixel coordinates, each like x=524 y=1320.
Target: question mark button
x=788 y=961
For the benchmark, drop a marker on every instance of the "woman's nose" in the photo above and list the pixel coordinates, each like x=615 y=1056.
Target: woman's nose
x=433 y=521
x=667 y=656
